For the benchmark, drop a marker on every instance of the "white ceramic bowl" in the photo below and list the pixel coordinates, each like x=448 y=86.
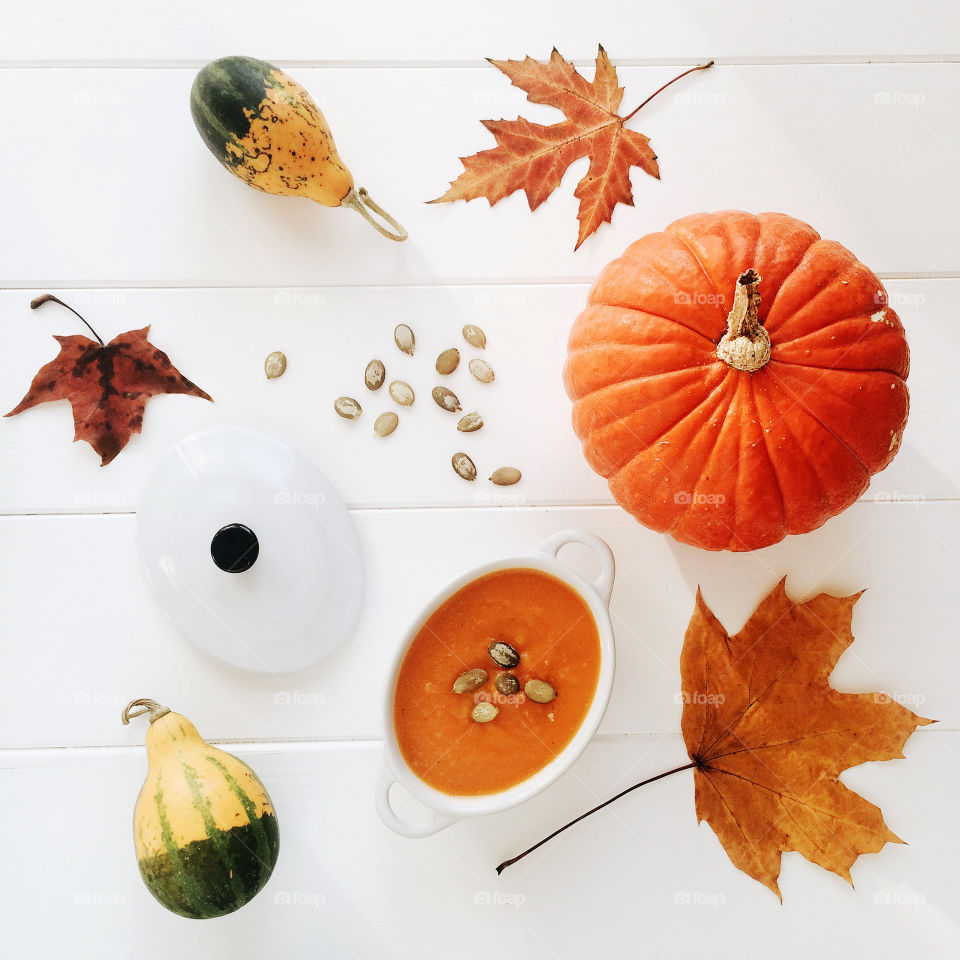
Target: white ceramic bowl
x=448 y=809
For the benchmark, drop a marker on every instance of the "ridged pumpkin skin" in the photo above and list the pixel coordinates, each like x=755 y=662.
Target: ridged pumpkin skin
x=204 y=828
x=718 y=457
x=266 y=130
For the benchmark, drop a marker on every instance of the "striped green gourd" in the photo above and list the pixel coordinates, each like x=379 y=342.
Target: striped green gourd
x=204 y=827
x=265 y=129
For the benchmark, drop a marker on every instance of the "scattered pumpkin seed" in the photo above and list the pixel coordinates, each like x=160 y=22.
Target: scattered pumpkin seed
x=374 y=375
x=402 y=393
x=275 y=364
x=446 y=398
x=385 y=424
x=470 y=680
x=474 y=336
x=448 y=361
x=482 y=370
x=539 y=691
x=507 y=684
x=464 y=466
x=347 y=407
x=505 y=476
x=470 y=422
x=484 y=712
x=403 y=337
x=503 y=654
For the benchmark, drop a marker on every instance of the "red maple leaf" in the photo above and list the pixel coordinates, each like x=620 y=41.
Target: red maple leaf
x=108 y=385
x=533 y=157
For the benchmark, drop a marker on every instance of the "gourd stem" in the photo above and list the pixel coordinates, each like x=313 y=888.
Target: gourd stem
x=360 y=201
x=746 y=344
x=151 y=707
x=50 y=298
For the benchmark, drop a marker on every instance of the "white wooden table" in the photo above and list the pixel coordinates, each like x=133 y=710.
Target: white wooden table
x=841 y=114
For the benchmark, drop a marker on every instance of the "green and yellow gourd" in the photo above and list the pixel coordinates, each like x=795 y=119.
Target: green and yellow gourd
x=204 y=828
x=266 y=130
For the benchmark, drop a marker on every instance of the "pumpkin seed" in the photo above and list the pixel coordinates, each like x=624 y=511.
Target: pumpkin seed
x=275 y=364
x=474 y=336
x=403 y=337
x=385 y=424
x=446 y=398
x=470 y=680
x=464 y=466
x=482 y=371
x=484 y=712
x=505 y=476
x=448 y=361
x=507 y=684
x=374 y=375
x=539 y=691
x=503 y=654
x=402 y=393
x=347 y=407
x=470 y=422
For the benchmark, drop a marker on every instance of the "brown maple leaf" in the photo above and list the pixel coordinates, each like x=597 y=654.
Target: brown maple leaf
x=769 y=737
x=533 y=157
x=108 y=385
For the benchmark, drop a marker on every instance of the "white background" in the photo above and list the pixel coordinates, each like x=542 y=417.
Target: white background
x=841 y=114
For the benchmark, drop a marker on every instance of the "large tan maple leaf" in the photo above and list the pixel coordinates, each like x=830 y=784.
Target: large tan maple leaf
x=769 y=737
x=533 y=157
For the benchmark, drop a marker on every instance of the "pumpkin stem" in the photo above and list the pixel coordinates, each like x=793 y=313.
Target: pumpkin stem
x=363 y=203
x=143 y=706
x=746 y=344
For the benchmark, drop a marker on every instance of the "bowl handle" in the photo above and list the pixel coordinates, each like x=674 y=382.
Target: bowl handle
x=436 y=823
x=603 y=584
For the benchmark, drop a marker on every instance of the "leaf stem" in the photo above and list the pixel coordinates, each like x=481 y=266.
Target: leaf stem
x=606 y=803
x=703 y=66
x=50 y=298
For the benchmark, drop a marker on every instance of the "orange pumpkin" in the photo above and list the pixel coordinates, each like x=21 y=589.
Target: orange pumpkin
x=736 y=378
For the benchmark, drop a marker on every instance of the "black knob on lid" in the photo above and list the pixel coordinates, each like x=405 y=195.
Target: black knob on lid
x=235 y=548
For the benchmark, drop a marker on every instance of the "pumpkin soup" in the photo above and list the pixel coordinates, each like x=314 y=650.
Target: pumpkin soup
x=518 y=630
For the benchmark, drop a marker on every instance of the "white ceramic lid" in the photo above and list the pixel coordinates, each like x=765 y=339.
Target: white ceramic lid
x=299 y=597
